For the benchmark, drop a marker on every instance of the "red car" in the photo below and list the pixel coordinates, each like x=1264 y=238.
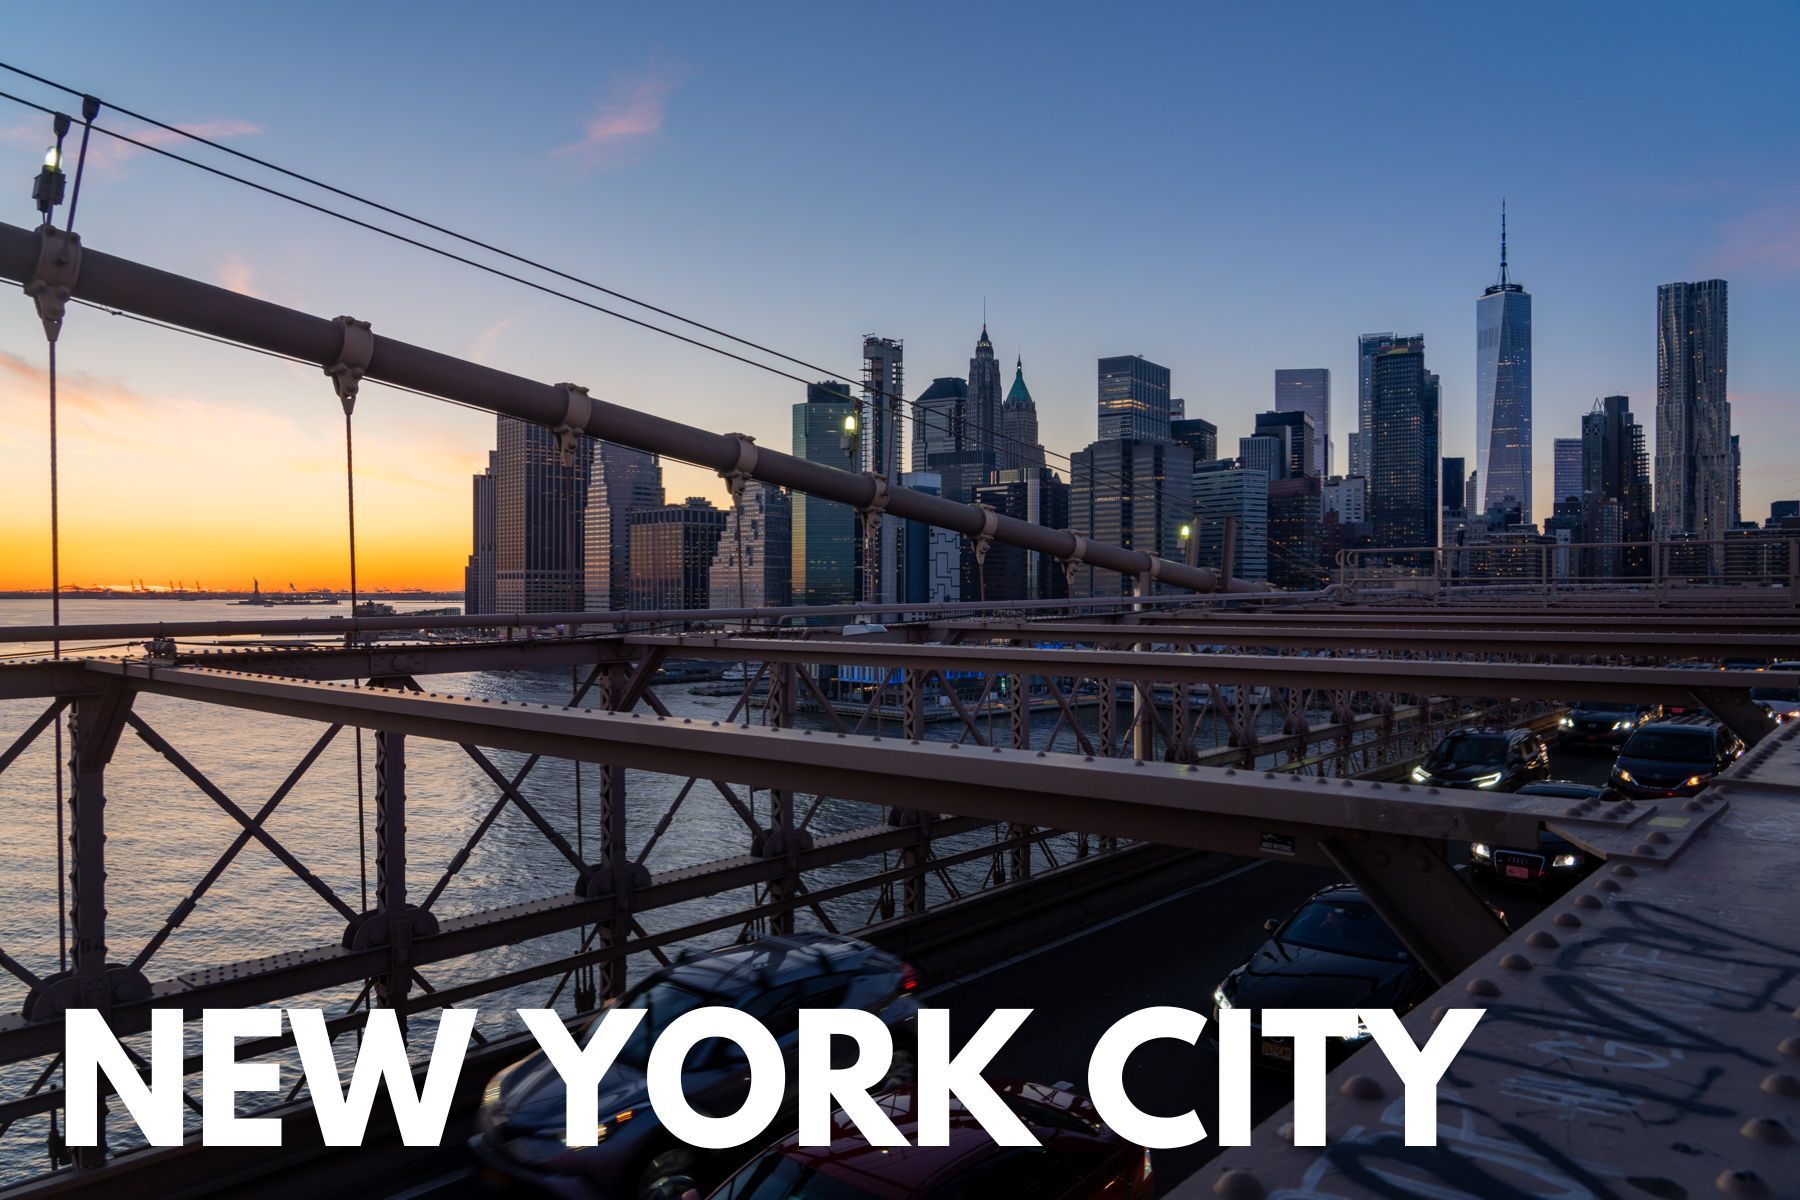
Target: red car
x=1079 y=1159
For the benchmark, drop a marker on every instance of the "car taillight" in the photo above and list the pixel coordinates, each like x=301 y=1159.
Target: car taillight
x=909 y=977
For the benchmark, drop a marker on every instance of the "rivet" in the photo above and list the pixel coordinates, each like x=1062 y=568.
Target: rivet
x=1239 y=1185
x=1790 y=1047
x=1768 y=1131
x=1136 y=762
x=1659 y=837
x=1287 y=1131
x=1574 y=810
x=1567 y=920
x=1645 y=849
x=1609 y=885
x=1042 y=753
x=1588 y=901
x=1516 y=962
x=1438 y=1013
x=1361 y=1087
x=1624 y=870
x=1742 y=1184
x=1780 y=1084
x=1543 y=939
x=1694 y=806
x=1228 y=770
x=1482 y=987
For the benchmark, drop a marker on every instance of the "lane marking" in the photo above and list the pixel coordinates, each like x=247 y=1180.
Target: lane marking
x=1023 y=956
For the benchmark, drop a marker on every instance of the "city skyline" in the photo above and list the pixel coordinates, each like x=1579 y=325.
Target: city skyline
x=165 y=420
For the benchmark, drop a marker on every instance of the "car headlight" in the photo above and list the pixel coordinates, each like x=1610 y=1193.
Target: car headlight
x=1696 y=780
x=1567 y=722
x=1492 y=779
x=1481 y=850
x=1420 y=774
x=1220 y=1000
x=606 y=1127
x=1623 y=724
x=1623 y=774
x=1566 y=860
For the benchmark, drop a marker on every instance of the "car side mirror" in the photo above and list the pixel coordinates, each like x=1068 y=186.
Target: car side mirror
x=1271 y=925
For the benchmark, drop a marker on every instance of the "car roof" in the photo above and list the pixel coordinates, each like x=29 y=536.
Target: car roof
x=769 y=962
x=1347 y=893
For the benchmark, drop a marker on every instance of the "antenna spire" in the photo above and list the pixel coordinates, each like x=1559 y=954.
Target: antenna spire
x=1503 y=278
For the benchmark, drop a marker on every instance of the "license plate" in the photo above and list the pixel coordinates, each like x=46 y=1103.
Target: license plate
x=1518 y=872
x=1282 y=1050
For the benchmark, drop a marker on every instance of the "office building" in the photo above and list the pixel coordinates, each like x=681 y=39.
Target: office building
x=1297 y=440
x=1199 y=435
x=1403 y=480
x=1296 y=521
x=478 y=575
x=1737 y=482
x=884 y=388
x=1224 y=491
x=1566 y=470
x=826 y=536
x=1615 y=487
x=672 y=552
x=754 y=567
x=1361 y=461
x=1019 y=445
x=538 y=518
x=932 y=557
x=1037 y=496
x=624 y=481
x=1308 y=390
x=1693 y=414
x=1130 y=493
x=1134 y=399
x=1347 y=496
x=937 y=413
x=1503 y=391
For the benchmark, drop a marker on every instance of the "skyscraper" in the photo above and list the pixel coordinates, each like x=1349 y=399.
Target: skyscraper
x=1035 y=495
x=1199 y=434
x=1361 y=460
x=1693 y=415
x=884 y=387
x=937 y=416
x=1130 y=493
x=1567 y=472
x=672 y=551
x=1134 y=399
x=983 y=411
x=538 y=519
x=478 y=576
x=1403 y=481
x=1298 y=440
x=1019 y=445
x=1503 y=391
x=1615 y=485
x=1223 y=490
x=1308 y=390
x=825 y=533
x=755 y=564
x=624 y=481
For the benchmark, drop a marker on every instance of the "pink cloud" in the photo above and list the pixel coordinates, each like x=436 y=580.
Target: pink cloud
x=107 y=154
x=1764 y=240
x=631 y=115
x=236 y=274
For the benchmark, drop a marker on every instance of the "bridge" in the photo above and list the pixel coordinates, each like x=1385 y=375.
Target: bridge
x=934 y=771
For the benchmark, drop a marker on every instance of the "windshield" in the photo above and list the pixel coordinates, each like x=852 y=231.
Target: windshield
x=1469 y=749
x=1606 y=707
x=1791 y=695
x=775 y=1176
x=1676 y=746
x=1343 y=927
x=662 y=1003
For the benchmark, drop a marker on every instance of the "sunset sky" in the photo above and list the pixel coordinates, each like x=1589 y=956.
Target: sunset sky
x=1226 y=189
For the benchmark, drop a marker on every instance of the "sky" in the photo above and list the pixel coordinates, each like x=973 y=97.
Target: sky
x=1226 y=189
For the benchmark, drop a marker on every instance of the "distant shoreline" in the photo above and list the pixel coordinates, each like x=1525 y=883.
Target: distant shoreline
x=279 y=598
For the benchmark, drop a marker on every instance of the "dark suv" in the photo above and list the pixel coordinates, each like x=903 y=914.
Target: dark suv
x=1498 y=759
x=1667 y=758
x=522 y=1121
x=1604 y=723
x=1554 y=862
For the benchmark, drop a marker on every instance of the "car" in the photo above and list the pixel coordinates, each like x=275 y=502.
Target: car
x=1334 y=951
x=1554 y=861
x=1079 y=1158
x=1673 y=758
x=1603 y=723
x=1502 y=760
x=1782 y=703
x=521 y=1123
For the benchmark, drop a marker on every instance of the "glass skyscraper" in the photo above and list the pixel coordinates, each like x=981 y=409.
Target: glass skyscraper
x=1503 y=392
x=825 y=532
x=1308 y=390
x=1403 y=475
x=1361 y=460
x=1134 y=399
x=1694 y=482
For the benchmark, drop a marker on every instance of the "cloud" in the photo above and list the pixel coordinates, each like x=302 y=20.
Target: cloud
x=236 y=274
x=1765 y=240
x=107 y=154
x=24 y=389
x=485 y=342
x=628 y=118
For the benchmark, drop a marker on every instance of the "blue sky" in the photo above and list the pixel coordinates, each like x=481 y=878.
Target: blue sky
x=1227 y=189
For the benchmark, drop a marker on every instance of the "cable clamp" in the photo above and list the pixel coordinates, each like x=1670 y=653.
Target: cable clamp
x=1156 y=567
x=354 y=353
x=1073 y=563
x=878 y=502
x=53 y=282
x=740 y=474
x=990 y=521
x=578 y=407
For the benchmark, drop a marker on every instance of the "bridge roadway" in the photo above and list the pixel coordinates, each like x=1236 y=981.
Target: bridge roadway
x=1078 y=984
